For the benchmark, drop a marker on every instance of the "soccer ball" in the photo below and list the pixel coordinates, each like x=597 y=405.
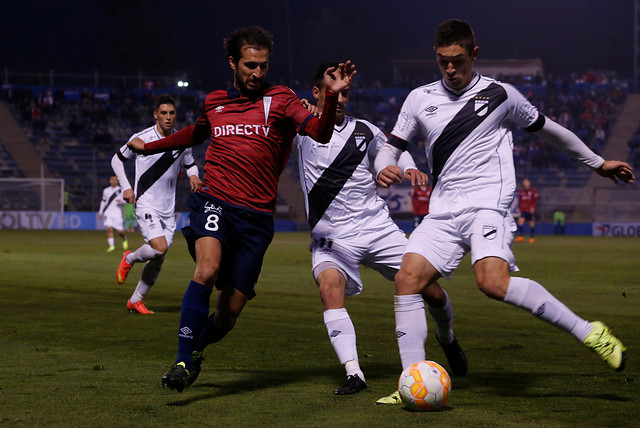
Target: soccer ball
x=424 y=386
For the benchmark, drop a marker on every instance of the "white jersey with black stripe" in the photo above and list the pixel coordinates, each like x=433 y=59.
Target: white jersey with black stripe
x=336 y=179
x=156 y=175
x=468 y=144
x=112 y=202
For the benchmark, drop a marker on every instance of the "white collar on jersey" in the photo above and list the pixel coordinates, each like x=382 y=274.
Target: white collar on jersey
x=474 y=80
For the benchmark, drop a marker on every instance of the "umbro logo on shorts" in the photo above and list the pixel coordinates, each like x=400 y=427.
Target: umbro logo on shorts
x=334 y=333
x=399 y=334
x=489 y=232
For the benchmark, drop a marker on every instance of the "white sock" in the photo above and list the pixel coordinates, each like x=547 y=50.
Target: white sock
x=411 y=328
x=530 y=295
x=149 y=276
x=142 y=254
x=444 y=320
x=111 y=242
x=353 y=368
x=343 y=338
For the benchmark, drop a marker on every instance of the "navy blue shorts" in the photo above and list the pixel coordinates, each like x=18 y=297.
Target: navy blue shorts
x=245 y=235
x=527 y=216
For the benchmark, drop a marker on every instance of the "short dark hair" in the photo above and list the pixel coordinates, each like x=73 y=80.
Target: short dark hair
x=164 y=99
x=455 y=32
x=253 y=36
x=318 y=74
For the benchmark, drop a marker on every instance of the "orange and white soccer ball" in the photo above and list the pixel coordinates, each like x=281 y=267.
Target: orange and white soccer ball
x=424 y=386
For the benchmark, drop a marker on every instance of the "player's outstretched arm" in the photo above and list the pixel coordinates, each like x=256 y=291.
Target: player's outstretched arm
x=616 y=170
x=136 y=145
x=569 y=142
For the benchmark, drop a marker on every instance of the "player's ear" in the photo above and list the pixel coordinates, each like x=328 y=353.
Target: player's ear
x=474 y=53
x=316 y=92
x=232 y=63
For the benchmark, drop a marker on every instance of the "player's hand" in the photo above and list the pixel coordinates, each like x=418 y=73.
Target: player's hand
x=338 y=78
x=129 y=196
x=136 y=145
x=195 y=183
x=100 y=216
x=389 y=175
x=310 y=107
x=416 y=177
x=616 y=170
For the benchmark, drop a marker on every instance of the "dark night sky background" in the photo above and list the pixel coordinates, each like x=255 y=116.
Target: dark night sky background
x=164 y=37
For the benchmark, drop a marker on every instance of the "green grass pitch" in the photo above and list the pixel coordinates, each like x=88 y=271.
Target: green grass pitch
x=71 y=354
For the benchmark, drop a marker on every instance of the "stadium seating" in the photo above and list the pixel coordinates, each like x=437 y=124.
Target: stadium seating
x=79 y=132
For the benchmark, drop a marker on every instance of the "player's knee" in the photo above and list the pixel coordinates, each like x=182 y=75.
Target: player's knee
x=206 y=274
x=434 y=295
x=493 y=286
x=332 y=295
x=407 y=283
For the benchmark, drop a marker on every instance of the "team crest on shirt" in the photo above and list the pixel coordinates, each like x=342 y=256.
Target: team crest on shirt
x=267 y=106
x=481 y=105
x=361 y=141
x=489 y=232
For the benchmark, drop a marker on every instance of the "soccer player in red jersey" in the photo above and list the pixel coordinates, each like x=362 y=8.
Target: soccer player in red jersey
x=419 y=201
x=251 y=126
x=527 y=201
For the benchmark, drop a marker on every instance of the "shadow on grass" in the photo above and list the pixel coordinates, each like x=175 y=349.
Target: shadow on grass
x=250 y=382
x=502 y=384
x=517 y=384
x=166 y=309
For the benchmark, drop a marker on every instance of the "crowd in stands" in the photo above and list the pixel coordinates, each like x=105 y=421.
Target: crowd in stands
x=76 y=131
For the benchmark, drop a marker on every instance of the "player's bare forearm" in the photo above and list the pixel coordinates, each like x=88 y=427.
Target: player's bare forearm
x=616 y=170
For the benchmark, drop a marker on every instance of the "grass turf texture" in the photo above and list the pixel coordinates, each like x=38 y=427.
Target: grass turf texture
x=71 y=355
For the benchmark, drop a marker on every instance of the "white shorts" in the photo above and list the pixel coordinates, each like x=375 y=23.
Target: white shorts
x=153 y=225
x=380 y=249
x=115 y=221
x=444 y=239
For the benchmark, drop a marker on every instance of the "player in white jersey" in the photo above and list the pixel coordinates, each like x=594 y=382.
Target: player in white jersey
x=351 y=225
x=111 y=211
x=463 y=118
x=155 y=198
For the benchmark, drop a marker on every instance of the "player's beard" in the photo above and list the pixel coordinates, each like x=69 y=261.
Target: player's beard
x=250 y=92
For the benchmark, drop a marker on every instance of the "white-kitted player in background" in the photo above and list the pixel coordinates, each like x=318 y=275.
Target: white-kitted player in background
x=111 y=213
x=156 y=176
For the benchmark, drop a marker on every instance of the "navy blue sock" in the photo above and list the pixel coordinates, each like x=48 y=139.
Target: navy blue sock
x=211 y=333
x=193 y=317
x=532 y=231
